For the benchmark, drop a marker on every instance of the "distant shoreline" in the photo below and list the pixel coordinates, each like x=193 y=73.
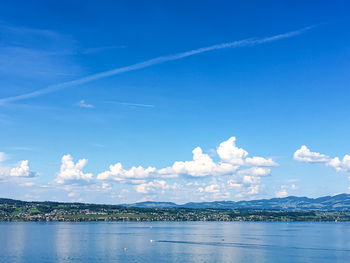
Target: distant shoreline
x=21 y=211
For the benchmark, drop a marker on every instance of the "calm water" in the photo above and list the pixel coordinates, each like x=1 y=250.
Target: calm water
x=175 y=242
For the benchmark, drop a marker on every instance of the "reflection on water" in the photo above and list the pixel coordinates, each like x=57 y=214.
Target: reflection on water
x=175 y=242
x=15 y=243
x=63 y=243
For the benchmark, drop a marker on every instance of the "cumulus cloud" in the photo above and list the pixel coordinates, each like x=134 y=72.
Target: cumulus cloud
x=233 y=162
x=213 y=188
x=283 y=191
x=20 y=174
x=153 y=186
x=253 y=190
x=305 y=155
x=340 y=165
x=230 y=153
x=241 y=186
x=255 y=171
x=22 y=170
x=259 y=161
x=116 y=172
x=247 y=181
x=70 y=172
x=230 y=170
x=202 y=165
x=251 y=179
x=234 y=184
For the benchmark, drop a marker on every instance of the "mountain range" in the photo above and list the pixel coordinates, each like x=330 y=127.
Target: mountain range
x=340 y=202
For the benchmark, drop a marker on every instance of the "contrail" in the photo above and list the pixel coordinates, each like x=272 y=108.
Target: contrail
x=131 y=104
x=151 y=62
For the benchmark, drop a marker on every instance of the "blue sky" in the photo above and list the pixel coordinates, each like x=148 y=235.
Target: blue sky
x=275 y=77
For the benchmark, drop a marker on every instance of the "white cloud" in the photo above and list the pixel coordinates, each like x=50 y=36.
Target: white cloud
x=340 y=165
x=21 y=174
x=233 y=184
x=247 y=179
x=242 y=186
x=282 y=193
x=70 y=172
x=253 y=190
x=153 y=186
x=22 y=170
x=83 y=104
x=231 y=170
x=116 y=172
x=230 y=153
x=305 y=155
x=255 y=171
x=259 y=161
x=201 y=165
x=213 y=188
x=231 y=159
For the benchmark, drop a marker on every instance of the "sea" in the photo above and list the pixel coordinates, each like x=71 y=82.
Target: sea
x=175 y=242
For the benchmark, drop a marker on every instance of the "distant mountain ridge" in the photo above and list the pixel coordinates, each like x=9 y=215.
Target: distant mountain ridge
x=339 y=202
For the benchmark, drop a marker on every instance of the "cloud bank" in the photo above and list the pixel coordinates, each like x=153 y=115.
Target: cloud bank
x=231 y=171
x=202 y=165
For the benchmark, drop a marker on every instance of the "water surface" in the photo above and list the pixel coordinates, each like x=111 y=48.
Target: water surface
x=175 y=242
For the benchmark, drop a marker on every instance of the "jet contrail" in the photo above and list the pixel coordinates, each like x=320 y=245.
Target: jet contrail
x=151 y=62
